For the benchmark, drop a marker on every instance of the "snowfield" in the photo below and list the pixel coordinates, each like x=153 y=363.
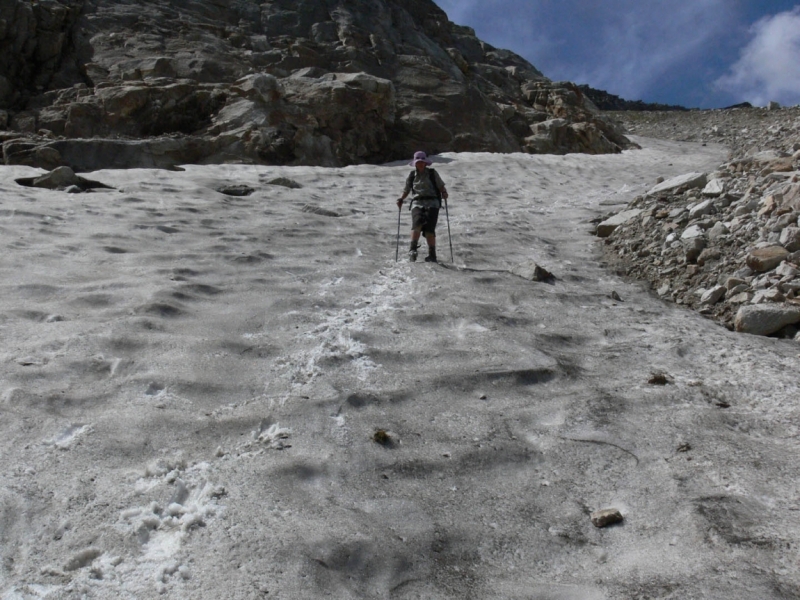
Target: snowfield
x=191 y=385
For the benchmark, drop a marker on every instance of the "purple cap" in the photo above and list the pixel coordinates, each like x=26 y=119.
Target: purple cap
x=420 y=157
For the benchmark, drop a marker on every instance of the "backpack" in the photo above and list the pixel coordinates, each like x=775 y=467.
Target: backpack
x=432 y=174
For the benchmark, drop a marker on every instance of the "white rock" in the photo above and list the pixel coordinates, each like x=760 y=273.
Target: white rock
x=689 y=180
x=692 y=232
x=715 y=187
x=786 y=270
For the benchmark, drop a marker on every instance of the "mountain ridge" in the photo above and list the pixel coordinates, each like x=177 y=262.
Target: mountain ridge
x=325 y=83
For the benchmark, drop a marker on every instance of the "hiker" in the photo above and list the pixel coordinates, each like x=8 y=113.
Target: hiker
x=426 y=189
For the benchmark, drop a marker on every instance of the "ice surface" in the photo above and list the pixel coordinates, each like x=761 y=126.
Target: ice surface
x=202 y=412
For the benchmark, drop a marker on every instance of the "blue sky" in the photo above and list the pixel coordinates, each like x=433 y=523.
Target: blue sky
x=696 y=53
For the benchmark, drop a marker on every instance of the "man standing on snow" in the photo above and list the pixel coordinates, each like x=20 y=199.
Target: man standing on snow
x=427 y=191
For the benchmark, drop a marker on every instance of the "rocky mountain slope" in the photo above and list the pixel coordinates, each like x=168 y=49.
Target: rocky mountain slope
x=727 y=242
x=163 y=82
x=607 y=101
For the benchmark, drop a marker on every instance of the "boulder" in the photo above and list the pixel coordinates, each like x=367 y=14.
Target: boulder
x=607 y=227
x=765 y=319
x=687 y=181
x=762 y=260
x=60 y=177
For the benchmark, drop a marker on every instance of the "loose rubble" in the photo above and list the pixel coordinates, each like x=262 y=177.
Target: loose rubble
x=727 y=243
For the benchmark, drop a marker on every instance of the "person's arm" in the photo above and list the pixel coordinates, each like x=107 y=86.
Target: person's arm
x=400 y=200
x=406 y=192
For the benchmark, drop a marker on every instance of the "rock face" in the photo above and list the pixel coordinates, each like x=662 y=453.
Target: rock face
x=286 y=82
x=731 y=251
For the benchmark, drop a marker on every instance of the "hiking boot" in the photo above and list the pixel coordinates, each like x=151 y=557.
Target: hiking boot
x=412 y=253
x=431 y=254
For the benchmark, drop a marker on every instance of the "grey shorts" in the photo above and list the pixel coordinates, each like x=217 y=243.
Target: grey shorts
x=424 y=219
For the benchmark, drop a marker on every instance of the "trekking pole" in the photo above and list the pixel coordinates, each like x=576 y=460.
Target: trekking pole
x=397 y=250
x=449 y=237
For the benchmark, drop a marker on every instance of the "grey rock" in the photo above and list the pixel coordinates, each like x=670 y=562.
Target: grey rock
x=790 y=239
x=714 y=188
x=717 y=231
x=766 y=259
x=743 y=287
x=786 y=271
x=764 y=319
x=285 y=182
x=768 y=295
x=606 y=517
x=687 y=181
x=677 y=212
x=742 y=297
x=777 y=224
x=532 y=271
x=713 y=295
x=607 y=227
x=734 y=282
x=702 y=209
x=60 y=177
x=709 y=255
x=236 y=190
x=695 y=231
x=694 y=247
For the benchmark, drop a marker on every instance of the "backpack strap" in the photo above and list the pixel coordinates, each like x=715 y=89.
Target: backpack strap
x=432 y=173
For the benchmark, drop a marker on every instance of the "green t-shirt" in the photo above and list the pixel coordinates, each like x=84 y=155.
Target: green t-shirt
x=421 y=189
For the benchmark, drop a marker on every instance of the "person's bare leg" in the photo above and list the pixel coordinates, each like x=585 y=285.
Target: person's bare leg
x=431 y=239
x=412 y=249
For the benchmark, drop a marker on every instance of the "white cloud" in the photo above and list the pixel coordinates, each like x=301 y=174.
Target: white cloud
x=769 y=66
